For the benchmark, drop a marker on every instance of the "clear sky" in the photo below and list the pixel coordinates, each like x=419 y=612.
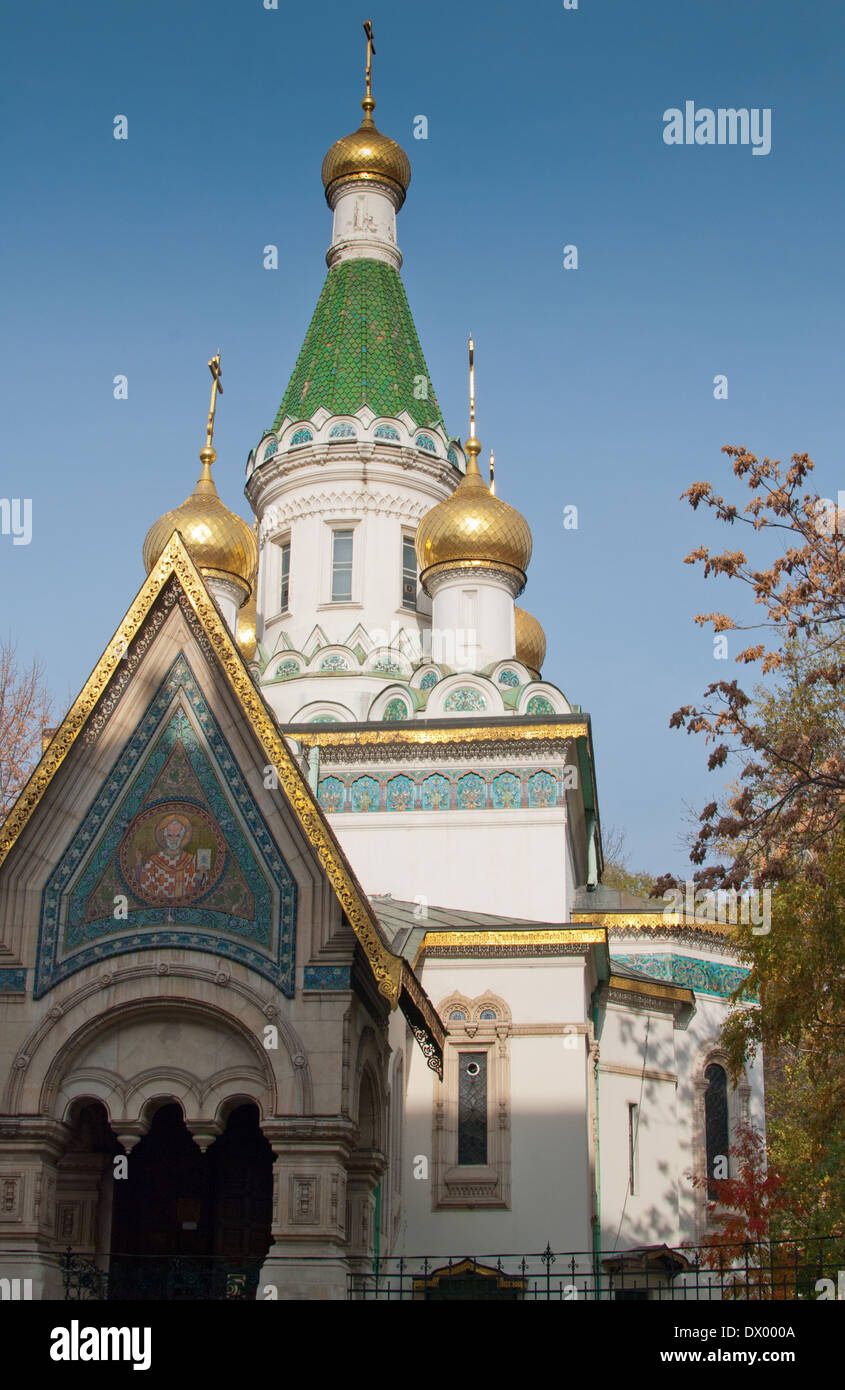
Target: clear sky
x=595 y=386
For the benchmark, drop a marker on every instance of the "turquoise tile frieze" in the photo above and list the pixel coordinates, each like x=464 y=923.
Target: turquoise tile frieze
x=492 y=788
x=128 y=880
x=328 y=977
x=703 y=976
x=12 y=980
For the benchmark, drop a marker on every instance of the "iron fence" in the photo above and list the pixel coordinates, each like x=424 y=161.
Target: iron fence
x=758 y=1271
x=119 y=1278
x=755 y=1271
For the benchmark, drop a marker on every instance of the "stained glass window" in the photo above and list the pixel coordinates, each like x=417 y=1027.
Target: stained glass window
x=472 y=1107
x=715 y=1119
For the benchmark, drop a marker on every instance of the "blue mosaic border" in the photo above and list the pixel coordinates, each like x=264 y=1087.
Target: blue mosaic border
x=704 y=976
x=12 y=981
x=50 y=969
x=328 y=977
x=438 y=790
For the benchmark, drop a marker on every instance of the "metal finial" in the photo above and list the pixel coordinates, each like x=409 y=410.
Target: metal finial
x=371 y=48
x=473 y=445
x=216 y=385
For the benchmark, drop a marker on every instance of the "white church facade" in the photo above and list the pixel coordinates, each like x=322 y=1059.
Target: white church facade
x=307 y=971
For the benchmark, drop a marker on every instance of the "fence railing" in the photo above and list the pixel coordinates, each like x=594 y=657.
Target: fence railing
x=756 y=1271
x=118 y=1278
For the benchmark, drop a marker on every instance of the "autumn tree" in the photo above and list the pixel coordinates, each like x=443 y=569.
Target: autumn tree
x=616 y=872
x=790 y=796
x=25 y=708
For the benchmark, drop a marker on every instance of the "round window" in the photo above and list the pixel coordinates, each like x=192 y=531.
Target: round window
x=473 y=1069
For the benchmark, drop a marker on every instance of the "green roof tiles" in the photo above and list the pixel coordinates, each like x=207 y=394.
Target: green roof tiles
x=361 y=348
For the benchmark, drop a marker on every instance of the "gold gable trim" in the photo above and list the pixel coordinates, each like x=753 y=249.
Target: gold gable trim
x=175 y=560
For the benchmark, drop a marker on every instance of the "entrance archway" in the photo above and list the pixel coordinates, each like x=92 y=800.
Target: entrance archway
x=192 y=1225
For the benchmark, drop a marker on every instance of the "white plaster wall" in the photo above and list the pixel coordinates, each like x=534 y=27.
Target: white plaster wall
x=364 y=225
x=491 y=861
x=638 y=1041
x=550 y=1174
x=478 y=606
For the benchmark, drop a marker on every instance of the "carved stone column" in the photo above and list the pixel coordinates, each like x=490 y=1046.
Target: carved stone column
x=308 y=1257
x=78 y=1197
x=30 y=1148
x=365 y=1169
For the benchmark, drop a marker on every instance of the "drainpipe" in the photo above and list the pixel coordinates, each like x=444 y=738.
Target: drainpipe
x=377 y=1231
x=597 y=1217
x=592 y=854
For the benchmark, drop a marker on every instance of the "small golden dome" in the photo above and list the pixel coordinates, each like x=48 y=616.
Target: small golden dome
x=367 y=156
x=472 y=527
x=530 y=641
x=246 y=635
x=220 y=543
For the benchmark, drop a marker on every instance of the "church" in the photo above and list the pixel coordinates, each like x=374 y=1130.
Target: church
x=310 y=987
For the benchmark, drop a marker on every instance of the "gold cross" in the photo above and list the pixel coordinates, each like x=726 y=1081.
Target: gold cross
x=217 y=385
x=371 y=48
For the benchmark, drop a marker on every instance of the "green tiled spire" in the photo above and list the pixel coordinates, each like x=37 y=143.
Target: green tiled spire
x=361 y=349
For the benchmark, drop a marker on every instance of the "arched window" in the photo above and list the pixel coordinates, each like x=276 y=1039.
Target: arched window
x=716 y=1124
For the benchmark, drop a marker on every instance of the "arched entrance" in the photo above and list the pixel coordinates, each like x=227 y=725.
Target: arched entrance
x=192 y=1225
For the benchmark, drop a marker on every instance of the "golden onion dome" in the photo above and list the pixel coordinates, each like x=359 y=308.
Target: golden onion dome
x=474 y=528
x=367 y=156
x=246 y=635
x=220 y=543
x=530 y=641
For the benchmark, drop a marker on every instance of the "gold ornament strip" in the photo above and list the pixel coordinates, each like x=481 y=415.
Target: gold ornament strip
x=433 y=939
x=487 y=733
x=679 y=992
x=653 y=921
x=175 y=560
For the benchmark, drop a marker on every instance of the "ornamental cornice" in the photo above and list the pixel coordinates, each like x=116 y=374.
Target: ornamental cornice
x=652 y=998
x=488 y=750
x=448 y=571
x=354 y=501
x=281 y=467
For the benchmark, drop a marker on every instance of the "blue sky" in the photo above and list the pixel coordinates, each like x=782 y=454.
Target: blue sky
x=595 y=386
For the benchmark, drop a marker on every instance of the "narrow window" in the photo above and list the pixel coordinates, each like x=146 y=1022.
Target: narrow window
x=472 y=1107
x=715 y=1120
x=633 y=1123
x=285 y=595
x=409 y=573
x=341 y=567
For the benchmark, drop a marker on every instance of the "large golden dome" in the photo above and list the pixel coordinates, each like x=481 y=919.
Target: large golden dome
x=220 y=543
x=367 y=156
x=530 y=641
x=473 y=528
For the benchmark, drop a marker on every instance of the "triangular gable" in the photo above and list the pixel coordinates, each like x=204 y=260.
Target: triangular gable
x=176 y=562
x=220 y=885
